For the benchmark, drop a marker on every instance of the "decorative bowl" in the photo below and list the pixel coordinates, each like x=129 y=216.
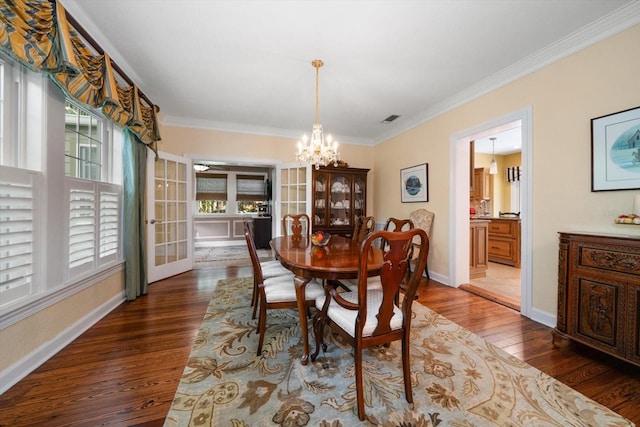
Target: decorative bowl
x=320 y=238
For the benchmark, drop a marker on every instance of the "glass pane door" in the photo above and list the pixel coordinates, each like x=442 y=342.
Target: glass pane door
x=340 y=199
x=169 y=240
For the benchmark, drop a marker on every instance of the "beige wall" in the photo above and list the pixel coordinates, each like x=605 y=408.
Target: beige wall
x=564 y=96
x=40 y=329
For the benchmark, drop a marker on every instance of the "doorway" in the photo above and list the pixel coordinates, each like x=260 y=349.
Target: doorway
x=459 y=212
x=497 y=160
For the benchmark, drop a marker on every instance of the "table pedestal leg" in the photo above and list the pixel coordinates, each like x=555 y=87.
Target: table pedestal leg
x=301 y=284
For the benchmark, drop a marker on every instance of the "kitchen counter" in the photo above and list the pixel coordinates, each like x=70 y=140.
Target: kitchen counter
x=489 y=218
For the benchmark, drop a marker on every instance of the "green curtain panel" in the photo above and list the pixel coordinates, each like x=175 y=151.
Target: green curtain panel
x=37 y=34
x=134 y=165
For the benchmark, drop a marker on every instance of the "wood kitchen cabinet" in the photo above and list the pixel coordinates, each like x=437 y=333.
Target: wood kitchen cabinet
x=504 y=241
x=479 y=240
x=481 y=184
x=598 y=293
x=339 y=195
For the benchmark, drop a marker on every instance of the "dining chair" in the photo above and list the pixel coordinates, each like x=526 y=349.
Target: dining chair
x=362 y=227
x=270 y=269
x=423 y=219
x=276 y=292
x=296 y=225
x=367 y=318
x=395 y=224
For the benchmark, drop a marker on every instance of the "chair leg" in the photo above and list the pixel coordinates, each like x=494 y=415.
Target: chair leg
x=318 y=333
x=406 y=368
x=426 y=271
x=262 y=320
x=357 y=353
x=256 y=304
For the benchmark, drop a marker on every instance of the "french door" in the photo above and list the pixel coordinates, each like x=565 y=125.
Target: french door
x=293 y=195
x=169 y=216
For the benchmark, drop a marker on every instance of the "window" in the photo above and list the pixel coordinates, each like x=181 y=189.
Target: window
x=217 y=192
x=83 y=145
x=250 y=193
x=211 y=193
x=41 y=256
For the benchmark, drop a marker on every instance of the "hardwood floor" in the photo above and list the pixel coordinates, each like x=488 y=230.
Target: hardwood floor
x=125 y=370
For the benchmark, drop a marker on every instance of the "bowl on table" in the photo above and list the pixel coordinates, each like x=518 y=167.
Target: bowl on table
x=320 y=238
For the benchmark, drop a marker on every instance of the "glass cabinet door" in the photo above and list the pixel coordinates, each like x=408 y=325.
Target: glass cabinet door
x=359 y=196
x=340 y=200
x=320 y=196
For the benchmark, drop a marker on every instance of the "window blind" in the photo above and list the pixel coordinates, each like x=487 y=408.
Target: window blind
x=250 y=187
x=211 y=186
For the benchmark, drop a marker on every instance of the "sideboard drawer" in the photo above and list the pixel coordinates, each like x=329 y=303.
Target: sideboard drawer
x=609 y=259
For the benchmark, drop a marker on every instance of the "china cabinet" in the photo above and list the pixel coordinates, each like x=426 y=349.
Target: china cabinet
x=339 y=195
x=598 y=293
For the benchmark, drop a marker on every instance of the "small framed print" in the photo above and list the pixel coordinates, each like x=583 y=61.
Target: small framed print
x=615 y=151
x=415 y=183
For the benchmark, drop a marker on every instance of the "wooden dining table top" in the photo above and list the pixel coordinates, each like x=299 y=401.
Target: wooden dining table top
x=339 y=259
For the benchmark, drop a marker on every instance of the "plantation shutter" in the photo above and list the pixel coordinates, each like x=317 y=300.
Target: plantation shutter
x=18 y=197
x=211 y=186
x=250 y=187
x=109 y=206
x=82 y=226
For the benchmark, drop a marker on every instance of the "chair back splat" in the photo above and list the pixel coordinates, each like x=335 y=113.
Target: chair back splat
x=369 y=317
x=363 y=226
x=296 y=225
x=423 y=219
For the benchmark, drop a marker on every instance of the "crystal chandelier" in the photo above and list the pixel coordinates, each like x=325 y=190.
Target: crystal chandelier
x=318 y=151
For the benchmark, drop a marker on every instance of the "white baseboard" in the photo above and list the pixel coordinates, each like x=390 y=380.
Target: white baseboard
x=547 y=319
x=10 y=376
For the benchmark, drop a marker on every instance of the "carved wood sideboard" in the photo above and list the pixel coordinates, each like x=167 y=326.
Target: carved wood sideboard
x=598 y=293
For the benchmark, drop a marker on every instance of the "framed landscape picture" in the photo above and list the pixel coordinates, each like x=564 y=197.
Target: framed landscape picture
x=615 y=151
x=415 y=183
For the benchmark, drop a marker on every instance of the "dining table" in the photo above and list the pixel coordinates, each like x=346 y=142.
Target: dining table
x=339 y=259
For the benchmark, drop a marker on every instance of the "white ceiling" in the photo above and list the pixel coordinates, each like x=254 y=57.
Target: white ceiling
x=246 y=65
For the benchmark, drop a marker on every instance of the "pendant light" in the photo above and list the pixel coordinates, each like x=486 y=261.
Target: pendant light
x=493 y=166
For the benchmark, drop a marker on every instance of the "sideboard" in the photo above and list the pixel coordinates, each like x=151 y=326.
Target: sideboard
x=598 y=293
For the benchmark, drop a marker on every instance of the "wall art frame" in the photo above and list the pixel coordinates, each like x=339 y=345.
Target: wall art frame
x=414 y=183
x=615 y=151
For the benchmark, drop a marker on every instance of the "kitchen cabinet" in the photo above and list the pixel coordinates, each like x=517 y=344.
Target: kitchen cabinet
x=481 y=184
x=598 y=293
x=478 y=243
x=504 y=241
x=339 y=195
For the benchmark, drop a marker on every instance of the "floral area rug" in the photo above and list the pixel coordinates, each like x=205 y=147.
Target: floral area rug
x=225 y=253
x=458 y=379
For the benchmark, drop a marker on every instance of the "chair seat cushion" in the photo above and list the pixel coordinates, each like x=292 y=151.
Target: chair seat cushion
x=346 y=319
x=373 y=283
x=282 y=289
x=273 y=268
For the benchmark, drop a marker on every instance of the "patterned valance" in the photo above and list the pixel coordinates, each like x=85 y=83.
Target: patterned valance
x=37 y=34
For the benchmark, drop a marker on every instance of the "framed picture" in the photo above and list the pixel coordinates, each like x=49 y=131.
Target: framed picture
x=615 y=151
x=415 y=183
